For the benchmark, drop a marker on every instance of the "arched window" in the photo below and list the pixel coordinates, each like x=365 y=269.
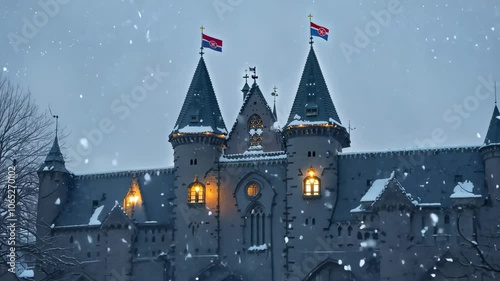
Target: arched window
x=257 y=225
x=196 y=193
x=255 y=126
x=133 y=197
x=311 y=185
x=253 y=189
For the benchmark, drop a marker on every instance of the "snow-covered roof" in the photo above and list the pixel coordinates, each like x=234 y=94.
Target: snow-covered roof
x=376 y=189
x=200 y=129
x=464 y=190
x=94 y=218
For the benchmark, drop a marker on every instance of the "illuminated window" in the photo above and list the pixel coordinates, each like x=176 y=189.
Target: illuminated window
x=133 y=197
x=253 y=189
x=311 y=185
x=196 y=193
x=255 y=125
x=255 y=122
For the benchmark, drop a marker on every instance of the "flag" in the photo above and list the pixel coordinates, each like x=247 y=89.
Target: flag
x=320 y=31
x=211 y=43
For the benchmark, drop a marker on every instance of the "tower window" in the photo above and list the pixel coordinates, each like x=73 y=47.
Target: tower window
x=194 y=118
x=196 y=193
x=459 y=178
x=446 y=219
x=193 y=162
x=255 y=125
x=311 y=185
x=312 y=111
x=95 y=204
x=253 y=189
x=257 y=225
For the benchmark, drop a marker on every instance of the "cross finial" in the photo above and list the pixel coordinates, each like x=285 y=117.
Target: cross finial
x=275 y=93
x=201 y=48
x=246 y=76
x=310 y=16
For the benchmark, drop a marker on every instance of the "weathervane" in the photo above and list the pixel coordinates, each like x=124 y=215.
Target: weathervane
x=495 y=91
x=254 y=75
x=310 y=16
x=350 y=128
x=201 y=48
x=56 y=117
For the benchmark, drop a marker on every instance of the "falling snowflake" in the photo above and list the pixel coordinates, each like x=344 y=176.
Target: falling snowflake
x=58 y=201
x=84 y=143
x=361 y=262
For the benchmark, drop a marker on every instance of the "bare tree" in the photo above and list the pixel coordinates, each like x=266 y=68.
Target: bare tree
x=26 y=133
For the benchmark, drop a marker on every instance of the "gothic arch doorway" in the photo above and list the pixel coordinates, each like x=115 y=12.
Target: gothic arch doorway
x=329 y=271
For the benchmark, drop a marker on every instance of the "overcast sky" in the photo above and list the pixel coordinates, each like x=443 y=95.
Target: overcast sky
x=403 y=85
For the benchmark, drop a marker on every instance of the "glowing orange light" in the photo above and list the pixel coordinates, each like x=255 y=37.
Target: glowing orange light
x=311 y=173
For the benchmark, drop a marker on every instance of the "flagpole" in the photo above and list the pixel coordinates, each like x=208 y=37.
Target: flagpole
x=201 y=47
x=310 y=32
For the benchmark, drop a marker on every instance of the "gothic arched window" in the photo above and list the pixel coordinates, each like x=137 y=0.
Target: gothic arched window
x=196 y=193
x=256 y=218
x=255 y=125
x=311 y=185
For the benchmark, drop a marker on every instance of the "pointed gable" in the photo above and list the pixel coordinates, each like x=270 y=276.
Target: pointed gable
x=243 y=136
x=200 y=112
x=313 y=103
x=116 y=217
x=493 y=135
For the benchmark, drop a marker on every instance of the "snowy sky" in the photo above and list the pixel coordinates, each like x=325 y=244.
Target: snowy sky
x=402 y=88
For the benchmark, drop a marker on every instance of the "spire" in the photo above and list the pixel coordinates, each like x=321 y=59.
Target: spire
x=246 y=88
x=493 y=135
x=313 y=102
x=275 y=94
x=200 y=112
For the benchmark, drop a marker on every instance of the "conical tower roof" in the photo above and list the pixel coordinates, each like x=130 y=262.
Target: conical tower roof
x=54 y=160
x=493 y=135
x=313 y=103
x=200 y=112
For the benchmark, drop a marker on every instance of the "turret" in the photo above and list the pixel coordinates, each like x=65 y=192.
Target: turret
x=314 y=135
x=197 y=139
x=491 y=157
x=54 y=184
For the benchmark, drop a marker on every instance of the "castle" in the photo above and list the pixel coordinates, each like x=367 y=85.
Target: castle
x=262 y=202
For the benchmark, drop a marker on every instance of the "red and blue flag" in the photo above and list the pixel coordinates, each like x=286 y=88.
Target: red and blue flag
x=211 y=43
x=319 y=31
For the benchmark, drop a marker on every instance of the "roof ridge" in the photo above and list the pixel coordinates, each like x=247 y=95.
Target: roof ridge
x=408 y=151
x=125 y=172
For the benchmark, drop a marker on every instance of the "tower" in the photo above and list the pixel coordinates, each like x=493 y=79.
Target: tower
x=54 y=184
x=197 y=140
x=491 y=157
x=314 y=135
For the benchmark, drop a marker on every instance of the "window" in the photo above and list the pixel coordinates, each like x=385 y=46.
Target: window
x=459 y=178
x=311 y=185
x=133 y=197
x=339 y=231
x=446 y=219
x=255 y=122
x=257 y=225
x=253 y=189
x=95 y=204
x=349 y=231
x=196 y=193
x=193 y=162
x=255 y=125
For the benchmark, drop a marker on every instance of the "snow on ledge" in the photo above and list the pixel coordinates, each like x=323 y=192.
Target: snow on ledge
x=256 y=248
x=94 y=219
x=200 y=129
x=464 y=190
